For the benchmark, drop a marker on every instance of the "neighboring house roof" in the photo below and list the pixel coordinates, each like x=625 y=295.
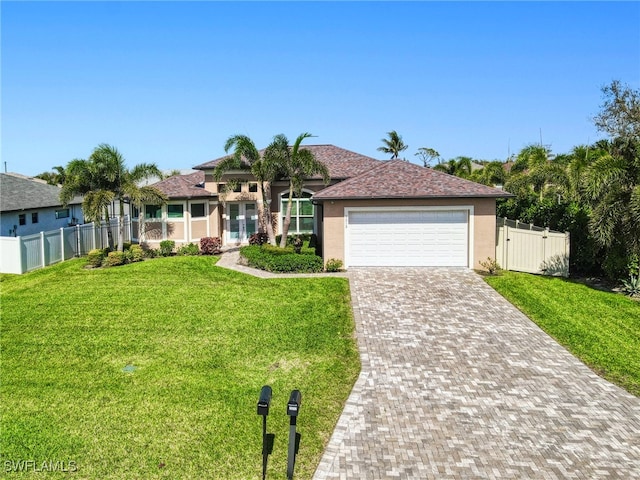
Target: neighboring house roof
x=341 y=163
x=184 y=186
x=18 y=192
x=401 y=179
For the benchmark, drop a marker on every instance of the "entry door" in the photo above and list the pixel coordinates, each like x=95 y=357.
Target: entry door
x=243 y=222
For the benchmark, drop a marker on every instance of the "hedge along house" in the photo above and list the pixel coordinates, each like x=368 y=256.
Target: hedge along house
x=373 y=213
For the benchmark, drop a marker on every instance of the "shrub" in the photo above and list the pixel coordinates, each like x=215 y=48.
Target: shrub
x=190 y=249
x=96 y=257
x=631 y=287
x=136 y=253
x=490 y=265
x=306 y=237
x=116 y=258
x=259 y=238
x=333 y=265
x=166 y=247
x=210 y=245
x=280 y=260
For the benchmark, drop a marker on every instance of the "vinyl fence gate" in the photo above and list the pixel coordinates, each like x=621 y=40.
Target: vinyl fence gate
x=523 y=247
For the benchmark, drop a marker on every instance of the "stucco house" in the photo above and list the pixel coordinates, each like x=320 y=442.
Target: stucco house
x=373 y=213
x=29 y=205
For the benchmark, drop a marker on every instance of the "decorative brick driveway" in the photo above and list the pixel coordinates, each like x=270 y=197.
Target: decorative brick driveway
x=457 y=383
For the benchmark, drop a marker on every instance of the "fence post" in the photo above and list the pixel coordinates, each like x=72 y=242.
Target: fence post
x=42 y=250
x=62 y=244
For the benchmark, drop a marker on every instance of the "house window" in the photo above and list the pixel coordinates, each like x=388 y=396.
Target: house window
x=136 y=212
x=253 y=187
x=152 y=211
x=62 y=213
x=197 y=210
x=237 y=188
x=34 y=217
x=22 y=219
x=175 y=211
x=302 y=211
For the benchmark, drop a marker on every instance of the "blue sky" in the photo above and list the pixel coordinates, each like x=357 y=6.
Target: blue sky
x=169 y=82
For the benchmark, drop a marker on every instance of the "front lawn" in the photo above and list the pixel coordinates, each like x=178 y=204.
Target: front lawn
x=153 y=369
x=600 y=328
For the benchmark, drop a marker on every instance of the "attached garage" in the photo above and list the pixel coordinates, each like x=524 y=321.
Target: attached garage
x=420 y=236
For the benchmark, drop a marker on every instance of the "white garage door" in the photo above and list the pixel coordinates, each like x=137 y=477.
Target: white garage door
x=437 y=238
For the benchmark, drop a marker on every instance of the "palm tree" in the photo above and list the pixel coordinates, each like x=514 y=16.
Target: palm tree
x=104 y=178
x=612 y=185
x=492 y=173
x=247 y=157
x=297 y=164
x=393 y=145
x=53 y=178
x=459 y=166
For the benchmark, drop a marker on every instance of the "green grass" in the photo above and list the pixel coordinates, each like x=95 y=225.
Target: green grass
x=203 y=339
x=600 y=328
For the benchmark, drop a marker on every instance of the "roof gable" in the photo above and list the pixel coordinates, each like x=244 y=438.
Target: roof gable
x=401 y=179
x=25 y=193
x=340 y=162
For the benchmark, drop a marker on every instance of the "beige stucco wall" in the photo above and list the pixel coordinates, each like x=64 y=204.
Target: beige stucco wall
x=483 y=227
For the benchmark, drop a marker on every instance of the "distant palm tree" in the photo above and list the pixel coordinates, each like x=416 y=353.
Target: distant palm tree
x=459 y=166
x=297 y=164
x=53 y=178
x=393 y=145
x=247 y=157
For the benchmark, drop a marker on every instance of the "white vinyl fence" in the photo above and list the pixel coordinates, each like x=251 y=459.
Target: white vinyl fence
x=30 y=252
x=526 y=248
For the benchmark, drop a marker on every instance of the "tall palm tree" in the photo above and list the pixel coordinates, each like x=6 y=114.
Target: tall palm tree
x=83 y=178
x=393 y=145
x=102 y=178
x=247 y=157
x=296 y=164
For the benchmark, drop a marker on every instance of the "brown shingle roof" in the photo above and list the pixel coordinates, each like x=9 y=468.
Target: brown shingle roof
x=184 y=186
x=341 y=163
x=401 y=179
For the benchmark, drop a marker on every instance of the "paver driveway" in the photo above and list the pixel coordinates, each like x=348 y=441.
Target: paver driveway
x=457 y=383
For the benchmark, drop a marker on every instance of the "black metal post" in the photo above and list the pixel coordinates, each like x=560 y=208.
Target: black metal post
x=263 y=409
x=293 y=408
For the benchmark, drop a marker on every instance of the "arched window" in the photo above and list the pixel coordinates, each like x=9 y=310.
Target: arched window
x=302 y=211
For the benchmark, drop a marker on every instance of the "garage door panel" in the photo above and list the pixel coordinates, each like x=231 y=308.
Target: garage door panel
x=408 y=238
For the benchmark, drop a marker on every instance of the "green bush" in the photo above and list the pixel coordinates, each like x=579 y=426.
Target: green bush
x=333 y=265
x=279 y=260
x=190 y=249
x=96 y=257
x=116 y=258
x=136 y=253
x=166 y=247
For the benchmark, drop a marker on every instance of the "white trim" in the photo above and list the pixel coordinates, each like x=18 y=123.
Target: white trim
x=423 y=208
x=281 y=214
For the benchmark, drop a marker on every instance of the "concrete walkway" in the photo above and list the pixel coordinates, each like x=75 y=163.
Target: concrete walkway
x=457 y=383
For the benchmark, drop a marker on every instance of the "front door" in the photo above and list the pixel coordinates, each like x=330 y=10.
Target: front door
x=242 y=222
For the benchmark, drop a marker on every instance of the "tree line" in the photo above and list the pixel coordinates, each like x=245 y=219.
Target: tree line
x=593 y=191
